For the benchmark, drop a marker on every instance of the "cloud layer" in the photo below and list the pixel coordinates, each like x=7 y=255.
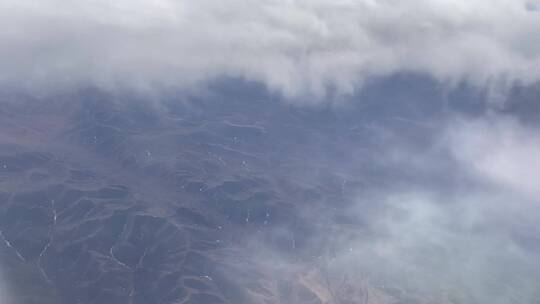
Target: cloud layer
x=310 y=47
x=500 y=150
x=471 y=243
x=295 y=47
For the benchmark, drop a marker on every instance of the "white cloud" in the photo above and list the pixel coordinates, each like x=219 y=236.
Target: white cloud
x=501 y=151
x=293 y=46
x=466 y=246
x=472 y=239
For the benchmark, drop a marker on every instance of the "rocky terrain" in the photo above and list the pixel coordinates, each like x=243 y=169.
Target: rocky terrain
x=218 y=197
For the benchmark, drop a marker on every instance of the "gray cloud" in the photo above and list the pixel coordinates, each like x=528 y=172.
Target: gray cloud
x=476 y=243
x=472 y=239
x=4 y=294
x=501 y=151
x=295 y=47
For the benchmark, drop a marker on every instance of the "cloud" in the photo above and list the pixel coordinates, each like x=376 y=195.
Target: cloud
x=422 y=234
x=499 y=150
x=5 y=298
x=464 y=248
x=295 y=47
x=473 y=242
x=472 y=238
